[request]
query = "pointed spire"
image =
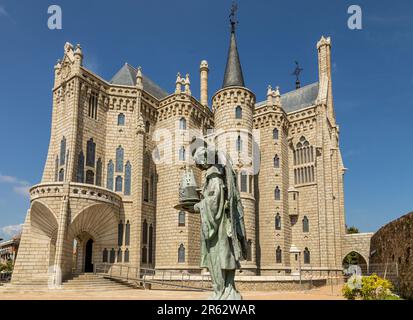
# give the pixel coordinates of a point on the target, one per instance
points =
(178, 83)
(233, 71)
(139, 78)
(276, 96)
(187, 85)
(269, 96)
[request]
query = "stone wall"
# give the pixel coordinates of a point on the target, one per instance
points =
(357, 242)
(393, 244)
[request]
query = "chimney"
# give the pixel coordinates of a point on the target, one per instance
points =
(203, 69)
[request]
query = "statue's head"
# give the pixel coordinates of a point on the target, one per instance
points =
(204, 157)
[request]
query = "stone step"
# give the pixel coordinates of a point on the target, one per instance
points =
(79, 283)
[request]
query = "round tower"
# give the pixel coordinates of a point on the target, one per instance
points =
(233, 107)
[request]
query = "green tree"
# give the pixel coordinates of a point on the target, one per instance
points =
(351, 230)
(8, 266)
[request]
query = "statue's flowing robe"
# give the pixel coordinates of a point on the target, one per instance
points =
(215, 241)
(217, 250)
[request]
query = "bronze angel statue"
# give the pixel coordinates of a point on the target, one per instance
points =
(223, 236)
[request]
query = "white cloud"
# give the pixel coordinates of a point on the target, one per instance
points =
(22, 190)
(20, 187)
(3, 12)
(12, 230)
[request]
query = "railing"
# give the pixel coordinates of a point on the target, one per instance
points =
(144, 277)
(92, 192)
(5, 276)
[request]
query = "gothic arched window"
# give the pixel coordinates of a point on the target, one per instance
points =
(147, 126)
(150, 253)
(181, 219)
(120, 233)
(80, 176)
(238, 112)
(119, 258)
(181, 254)
(244, 181)
(119, 183)
(238, 144)
(105, 255)
(90, 177)
(62, 151)
(121, 119)
(182, 154)
(93, 105)
(112, 256)
(90, 153)
(277, 193)
(276, 161)
(119, 159)
(109, 178)
(128, 177)
(306, 225)
(146, 190)
(56, 169)
(144, 254)
(306, 256)
(127, 234)
(278, 255)
(126, 259)
(278, 222)
(152, 188)
(182, 124)
(145, 232)
(61, 175)
(99, 172)
(275, 134)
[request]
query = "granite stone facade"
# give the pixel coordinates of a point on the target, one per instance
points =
(117, 151)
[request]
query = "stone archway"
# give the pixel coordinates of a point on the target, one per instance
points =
(38, 245)
(355, 258)
(98, 224)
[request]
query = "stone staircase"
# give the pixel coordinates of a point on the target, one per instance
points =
(85, 282)
(94, 282)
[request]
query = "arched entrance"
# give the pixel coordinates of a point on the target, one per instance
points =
(89, 256)
(354, 258)
(92, 230)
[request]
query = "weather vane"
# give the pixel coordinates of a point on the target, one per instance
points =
(296, 73)
(234, 8)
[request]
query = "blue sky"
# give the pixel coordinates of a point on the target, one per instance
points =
(372, 78)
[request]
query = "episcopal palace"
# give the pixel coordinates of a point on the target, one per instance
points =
(105, 198)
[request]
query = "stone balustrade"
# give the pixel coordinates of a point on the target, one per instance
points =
(75, 191)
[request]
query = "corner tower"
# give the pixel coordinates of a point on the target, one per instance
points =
(233, 107)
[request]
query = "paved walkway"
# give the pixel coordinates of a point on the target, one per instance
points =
(325, 293)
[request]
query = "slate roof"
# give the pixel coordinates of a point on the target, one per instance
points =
(126, 76)
(233, 71)
(298, 99)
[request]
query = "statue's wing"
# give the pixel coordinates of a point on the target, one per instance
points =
(236, 212)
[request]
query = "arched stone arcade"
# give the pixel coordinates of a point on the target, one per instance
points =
(38, 245)
(62, 214)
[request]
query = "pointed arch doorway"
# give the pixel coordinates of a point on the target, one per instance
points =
(88, 256)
